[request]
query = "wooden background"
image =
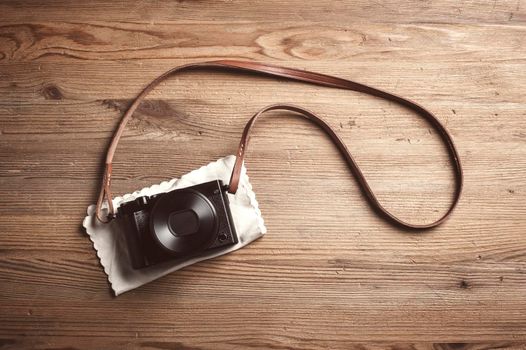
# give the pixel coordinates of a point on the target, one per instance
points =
(329, 273)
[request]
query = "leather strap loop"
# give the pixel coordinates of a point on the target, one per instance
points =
(105, 193)
(366, 189)
(306, 77)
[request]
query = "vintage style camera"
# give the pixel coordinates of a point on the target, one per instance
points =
(178, 223)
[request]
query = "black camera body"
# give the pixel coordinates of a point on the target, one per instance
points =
(176, 224)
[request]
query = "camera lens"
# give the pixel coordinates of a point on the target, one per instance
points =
(183, 221)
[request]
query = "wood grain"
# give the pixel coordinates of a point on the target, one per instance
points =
(329, 273)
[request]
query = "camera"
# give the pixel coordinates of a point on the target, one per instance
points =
(176, 224)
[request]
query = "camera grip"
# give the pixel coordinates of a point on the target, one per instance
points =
(136, 224)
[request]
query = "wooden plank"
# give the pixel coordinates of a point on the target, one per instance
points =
(136, 340)
(340, 11)
(292, 40)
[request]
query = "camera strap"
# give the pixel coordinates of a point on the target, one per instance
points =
(301, 76)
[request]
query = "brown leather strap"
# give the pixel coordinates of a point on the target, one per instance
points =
(307, 77)
(234, 181)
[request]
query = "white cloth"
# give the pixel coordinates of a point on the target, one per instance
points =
(108, 238)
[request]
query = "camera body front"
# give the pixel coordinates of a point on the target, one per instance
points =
(176, 224)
